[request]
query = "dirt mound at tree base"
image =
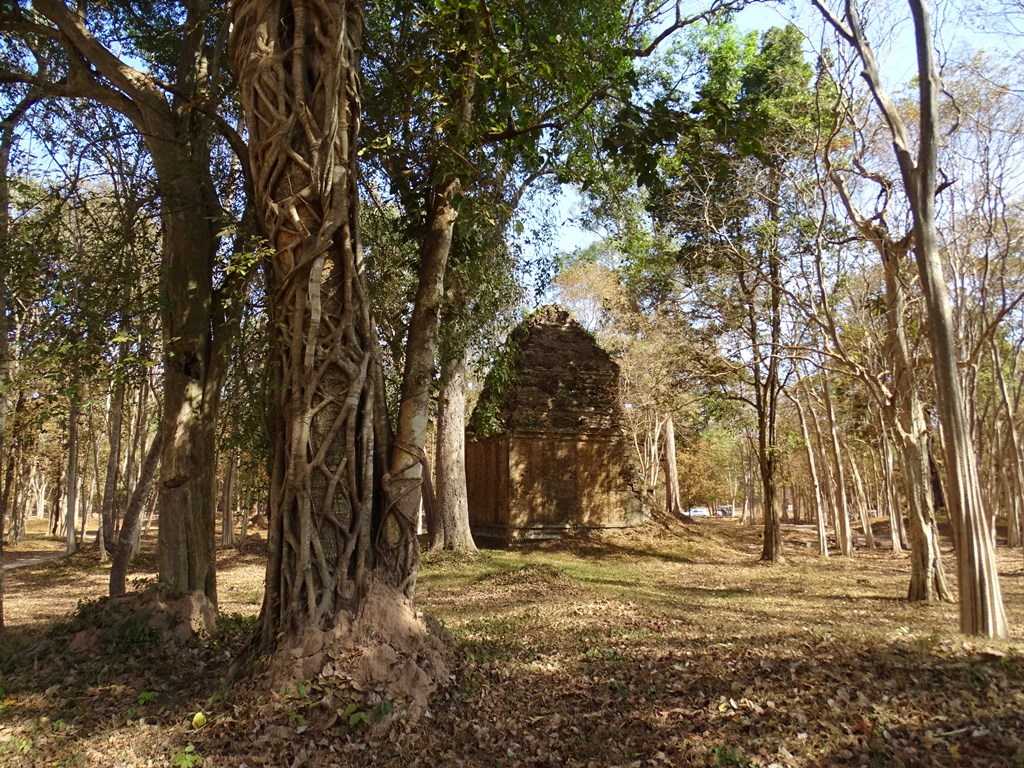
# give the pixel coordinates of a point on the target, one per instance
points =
(137, 622)
(381, 664)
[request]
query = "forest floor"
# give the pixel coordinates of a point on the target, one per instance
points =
(662, 646)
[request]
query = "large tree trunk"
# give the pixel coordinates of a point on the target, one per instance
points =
(300, 90)
(981, 600)
(452, 505)
(196, 325)
(191, 383)
(339, 564)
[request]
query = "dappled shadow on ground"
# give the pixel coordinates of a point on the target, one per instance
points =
(696, 655)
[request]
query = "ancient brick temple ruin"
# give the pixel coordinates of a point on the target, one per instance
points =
(546, 454)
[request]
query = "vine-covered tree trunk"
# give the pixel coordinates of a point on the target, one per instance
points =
(340, 562)
(297, 65)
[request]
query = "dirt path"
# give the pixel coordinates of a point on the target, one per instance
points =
(23, 560)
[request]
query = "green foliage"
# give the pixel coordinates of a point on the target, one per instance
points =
(729, 757)
(487, 418)
(130, 635)
(17, 745)
(235, 626)
(356, 715)
(186, 757)
(145, 697)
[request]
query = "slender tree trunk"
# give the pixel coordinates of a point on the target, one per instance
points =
(3, 433)
(70, 504)
(825, 467)
(227, 520)
(246, 512)
(891, 494)
(819, 512)
(130, 525)
(93, 488)
(406, 467)
(862, 501)
(114, 456)
(7, 137)
(452, 501)
(981, 601)
(673, 503)
(843, 534)
(1013, 453)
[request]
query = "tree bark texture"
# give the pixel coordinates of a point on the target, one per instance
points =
(192, 375)
(404, 478)
(902, 411)
(227, 511)
(297, 64)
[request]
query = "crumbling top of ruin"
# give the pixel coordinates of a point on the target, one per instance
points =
(551, 376)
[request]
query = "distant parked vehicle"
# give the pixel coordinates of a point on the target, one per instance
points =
(724, 511)
(698, 512)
